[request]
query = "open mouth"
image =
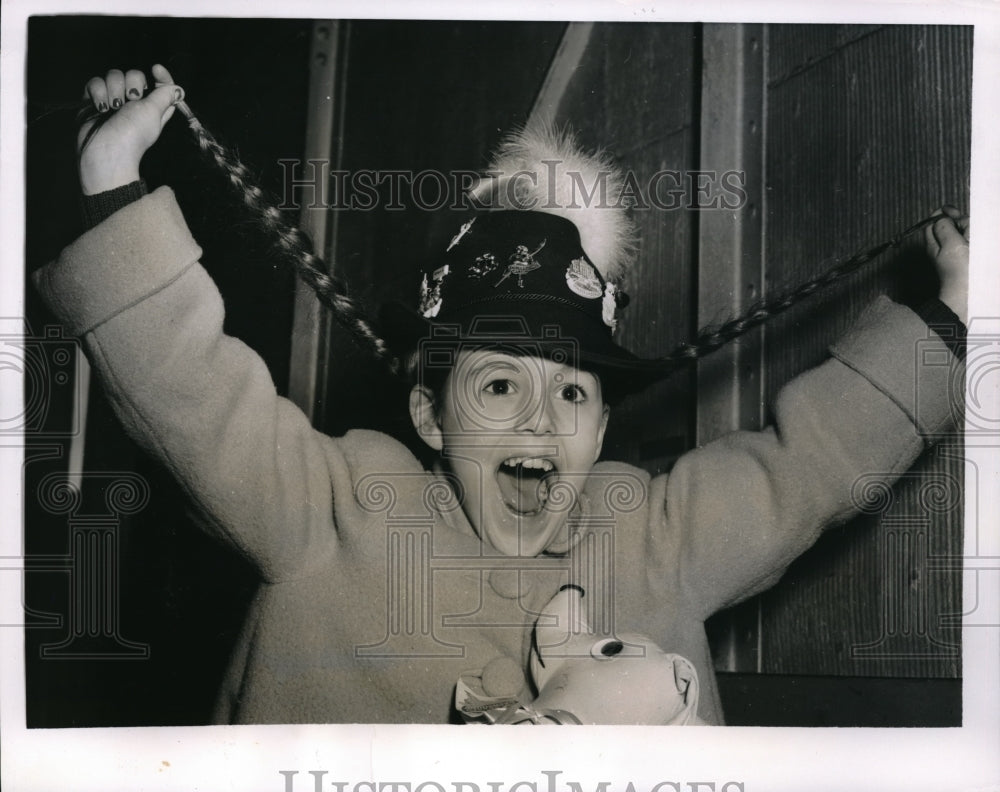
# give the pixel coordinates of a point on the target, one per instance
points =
(524, 483)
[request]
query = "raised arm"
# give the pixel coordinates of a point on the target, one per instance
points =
(740, 509)
(151, 320)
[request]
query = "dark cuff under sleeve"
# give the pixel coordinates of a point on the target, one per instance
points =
(102, 205)
(943, 321)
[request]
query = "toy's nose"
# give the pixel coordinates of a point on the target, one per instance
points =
(559, 621)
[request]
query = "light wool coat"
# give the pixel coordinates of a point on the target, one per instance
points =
(375, 593)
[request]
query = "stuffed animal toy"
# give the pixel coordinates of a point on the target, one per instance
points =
(582, 678)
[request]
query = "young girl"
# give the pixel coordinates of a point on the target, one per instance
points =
(383, 583)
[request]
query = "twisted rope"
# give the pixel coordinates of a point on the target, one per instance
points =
(292, 243)
(710, 339)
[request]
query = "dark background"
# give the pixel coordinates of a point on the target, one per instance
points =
(181, 597)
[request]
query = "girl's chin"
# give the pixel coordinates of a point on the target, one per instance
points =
(514, 534)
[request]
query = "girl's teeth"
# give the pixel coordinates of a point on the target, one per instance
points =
(530, 462)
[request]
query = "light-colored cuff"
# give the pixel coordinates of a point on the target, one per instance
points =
(134, 253)
(899, 354)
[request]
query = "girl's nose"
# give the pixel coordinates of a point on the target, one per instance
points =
(541, 420)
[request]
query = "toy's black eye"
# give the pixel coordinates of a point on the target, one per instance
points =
(606, 649)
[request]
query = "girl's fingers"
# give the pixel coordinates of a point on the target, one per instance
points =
(163, 80)
(962, 224)
(952, 228)
(97, 92)
(163, 98)
(142, 116)
(960, 219)
(946, 233)
(930, 240)
(161, 75)
(115, 81)
(117, 87)
(135, 85)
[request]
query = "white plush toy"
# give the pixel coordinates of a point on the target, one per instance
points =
(584, 678)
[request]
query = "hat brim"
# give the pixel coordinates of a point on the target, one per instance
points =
(524, 326)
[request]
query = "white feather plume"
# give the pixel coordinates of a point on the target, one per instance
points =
(564, 180)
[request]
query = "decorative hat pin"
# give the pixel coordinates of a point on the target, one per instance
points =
(536, 261)
(556, 168)
(521, 263)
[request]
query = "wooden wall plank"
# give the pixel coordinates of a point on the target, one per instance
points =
(634, 94)
(868, 131)
(795, 48)
(309, 353)
(730, 270)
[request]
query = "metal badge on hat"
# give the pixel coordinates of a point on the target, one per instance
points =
(430, 294)
(461, 233)
(482, 266)
(609, 306)
(581, 277)
(521, 263)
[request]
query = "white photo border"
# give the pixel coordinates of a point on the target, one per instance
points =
(253, 757)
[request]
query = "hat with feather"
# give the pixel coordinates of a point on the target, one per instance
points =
(538, 268)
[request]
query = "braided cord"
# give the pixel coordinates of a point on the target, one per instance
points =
(290, 242)
(294, 244)
(711, 338)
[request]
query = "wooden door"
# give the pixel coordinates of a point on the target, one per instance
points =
(835, 138)
(844, 136)
(867, 131)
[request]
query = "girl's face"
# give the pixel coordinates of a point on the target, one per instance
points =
(520, 435)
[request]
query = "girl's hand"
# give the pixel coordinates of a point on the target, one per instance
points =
(947, 241)
(129, 125)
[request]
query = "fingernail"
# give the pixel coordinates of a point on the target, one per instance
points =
(178, 94)
(116, 103)
(102, 107)
(133, 92)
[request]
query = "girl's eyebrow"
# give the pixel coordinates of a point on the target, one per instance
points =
(497, 360)
(498, 365)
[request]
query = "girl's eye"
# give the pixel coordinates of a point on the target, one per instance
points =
(572, 393)
(499, 387)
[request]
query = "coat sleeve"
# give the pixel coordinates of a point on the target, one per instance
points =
(737, 511)
(199, 401)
